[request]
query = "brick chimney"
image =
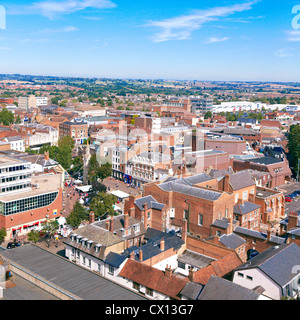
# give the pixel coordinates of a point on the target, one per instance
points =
(145, 206)
(132, 212)
(168, 271)
(107, 224)
(132, 255)
(126, 220)
(92, 217)
(227, 183)
(293, 220)
(241, 201)
(230, 226)
(141, 255)
(162, 244)
(112, 224)
(191, 274)
(184, 230)
(46, 155)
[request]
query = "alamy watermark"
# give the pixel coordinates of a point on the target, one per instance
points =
(2, 18)
(296, 19)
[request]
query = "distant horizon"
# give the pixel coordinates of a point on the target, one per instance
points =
(141, 78)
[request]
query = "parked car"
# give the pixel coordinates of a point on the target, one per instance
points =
(297, 191)
(12, 245)
(293, 195)
(288, 199)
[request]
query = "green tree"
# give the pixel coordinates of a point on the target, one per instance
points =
(18, 120)
(102, 205)
(2, 234)
(207, 115)
(294, 147)
(6, 117)
(77, 215)
(33, 236)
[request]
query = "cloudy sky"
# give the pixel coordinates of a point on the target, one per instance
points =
(152, 39)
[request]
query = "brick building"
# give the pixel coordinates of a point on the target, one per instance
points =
(76, 130)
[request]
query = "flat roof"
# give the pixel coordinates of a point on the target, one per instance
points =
(46, 183)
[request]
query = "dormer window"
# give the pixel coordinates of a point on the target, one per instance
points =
(89, 244)
(97, 248)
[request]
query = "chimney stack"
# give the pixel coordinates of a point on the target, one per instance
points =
(46, 155)
(132, 212)
(132, 256)
(92, 217)
(168, 271)
(293, 220)
(126, 221)
(141, 255)
(111, 229)
(162, 245)
(226, 183)
(230, 226)
(191, 274)
(107, 224)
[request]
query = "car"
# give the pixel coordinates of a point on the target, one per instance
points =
(297, 191)
(10, 245)
(293, 195)
(288, 199)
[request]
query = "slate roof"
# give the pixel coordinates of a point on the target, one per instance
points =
(241, 179)
(152, 247)
(276, 262)
(222, 289)
(266, 160)
(245, 208)
(151, 203)
(192, 290)
(191, 191)
(258, 235)
(115, 259)
(222, 223)
(232, 240)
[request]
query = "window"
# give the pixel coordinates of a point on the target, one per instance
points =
(149, 292)
(245, 195)
(200, 219)
(218, 233)
(240, 275)
(83, 260)
(111, 270)
(136, 286)
(249, 278)
(181, 265)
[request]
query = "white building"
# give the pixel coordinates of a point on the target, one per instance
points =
(236, 106)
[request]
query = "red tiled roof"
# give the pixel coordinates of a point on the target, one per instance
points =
(219, 268)
(153, 278)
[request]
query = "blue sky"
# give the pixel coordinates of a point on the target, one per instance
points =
(152, 39)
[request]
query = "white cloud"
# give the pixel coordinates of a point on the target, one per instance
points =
(284, 53)
(51, 9)
(216, 39)
(181, 28)
(64, 29)
(293, 36)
